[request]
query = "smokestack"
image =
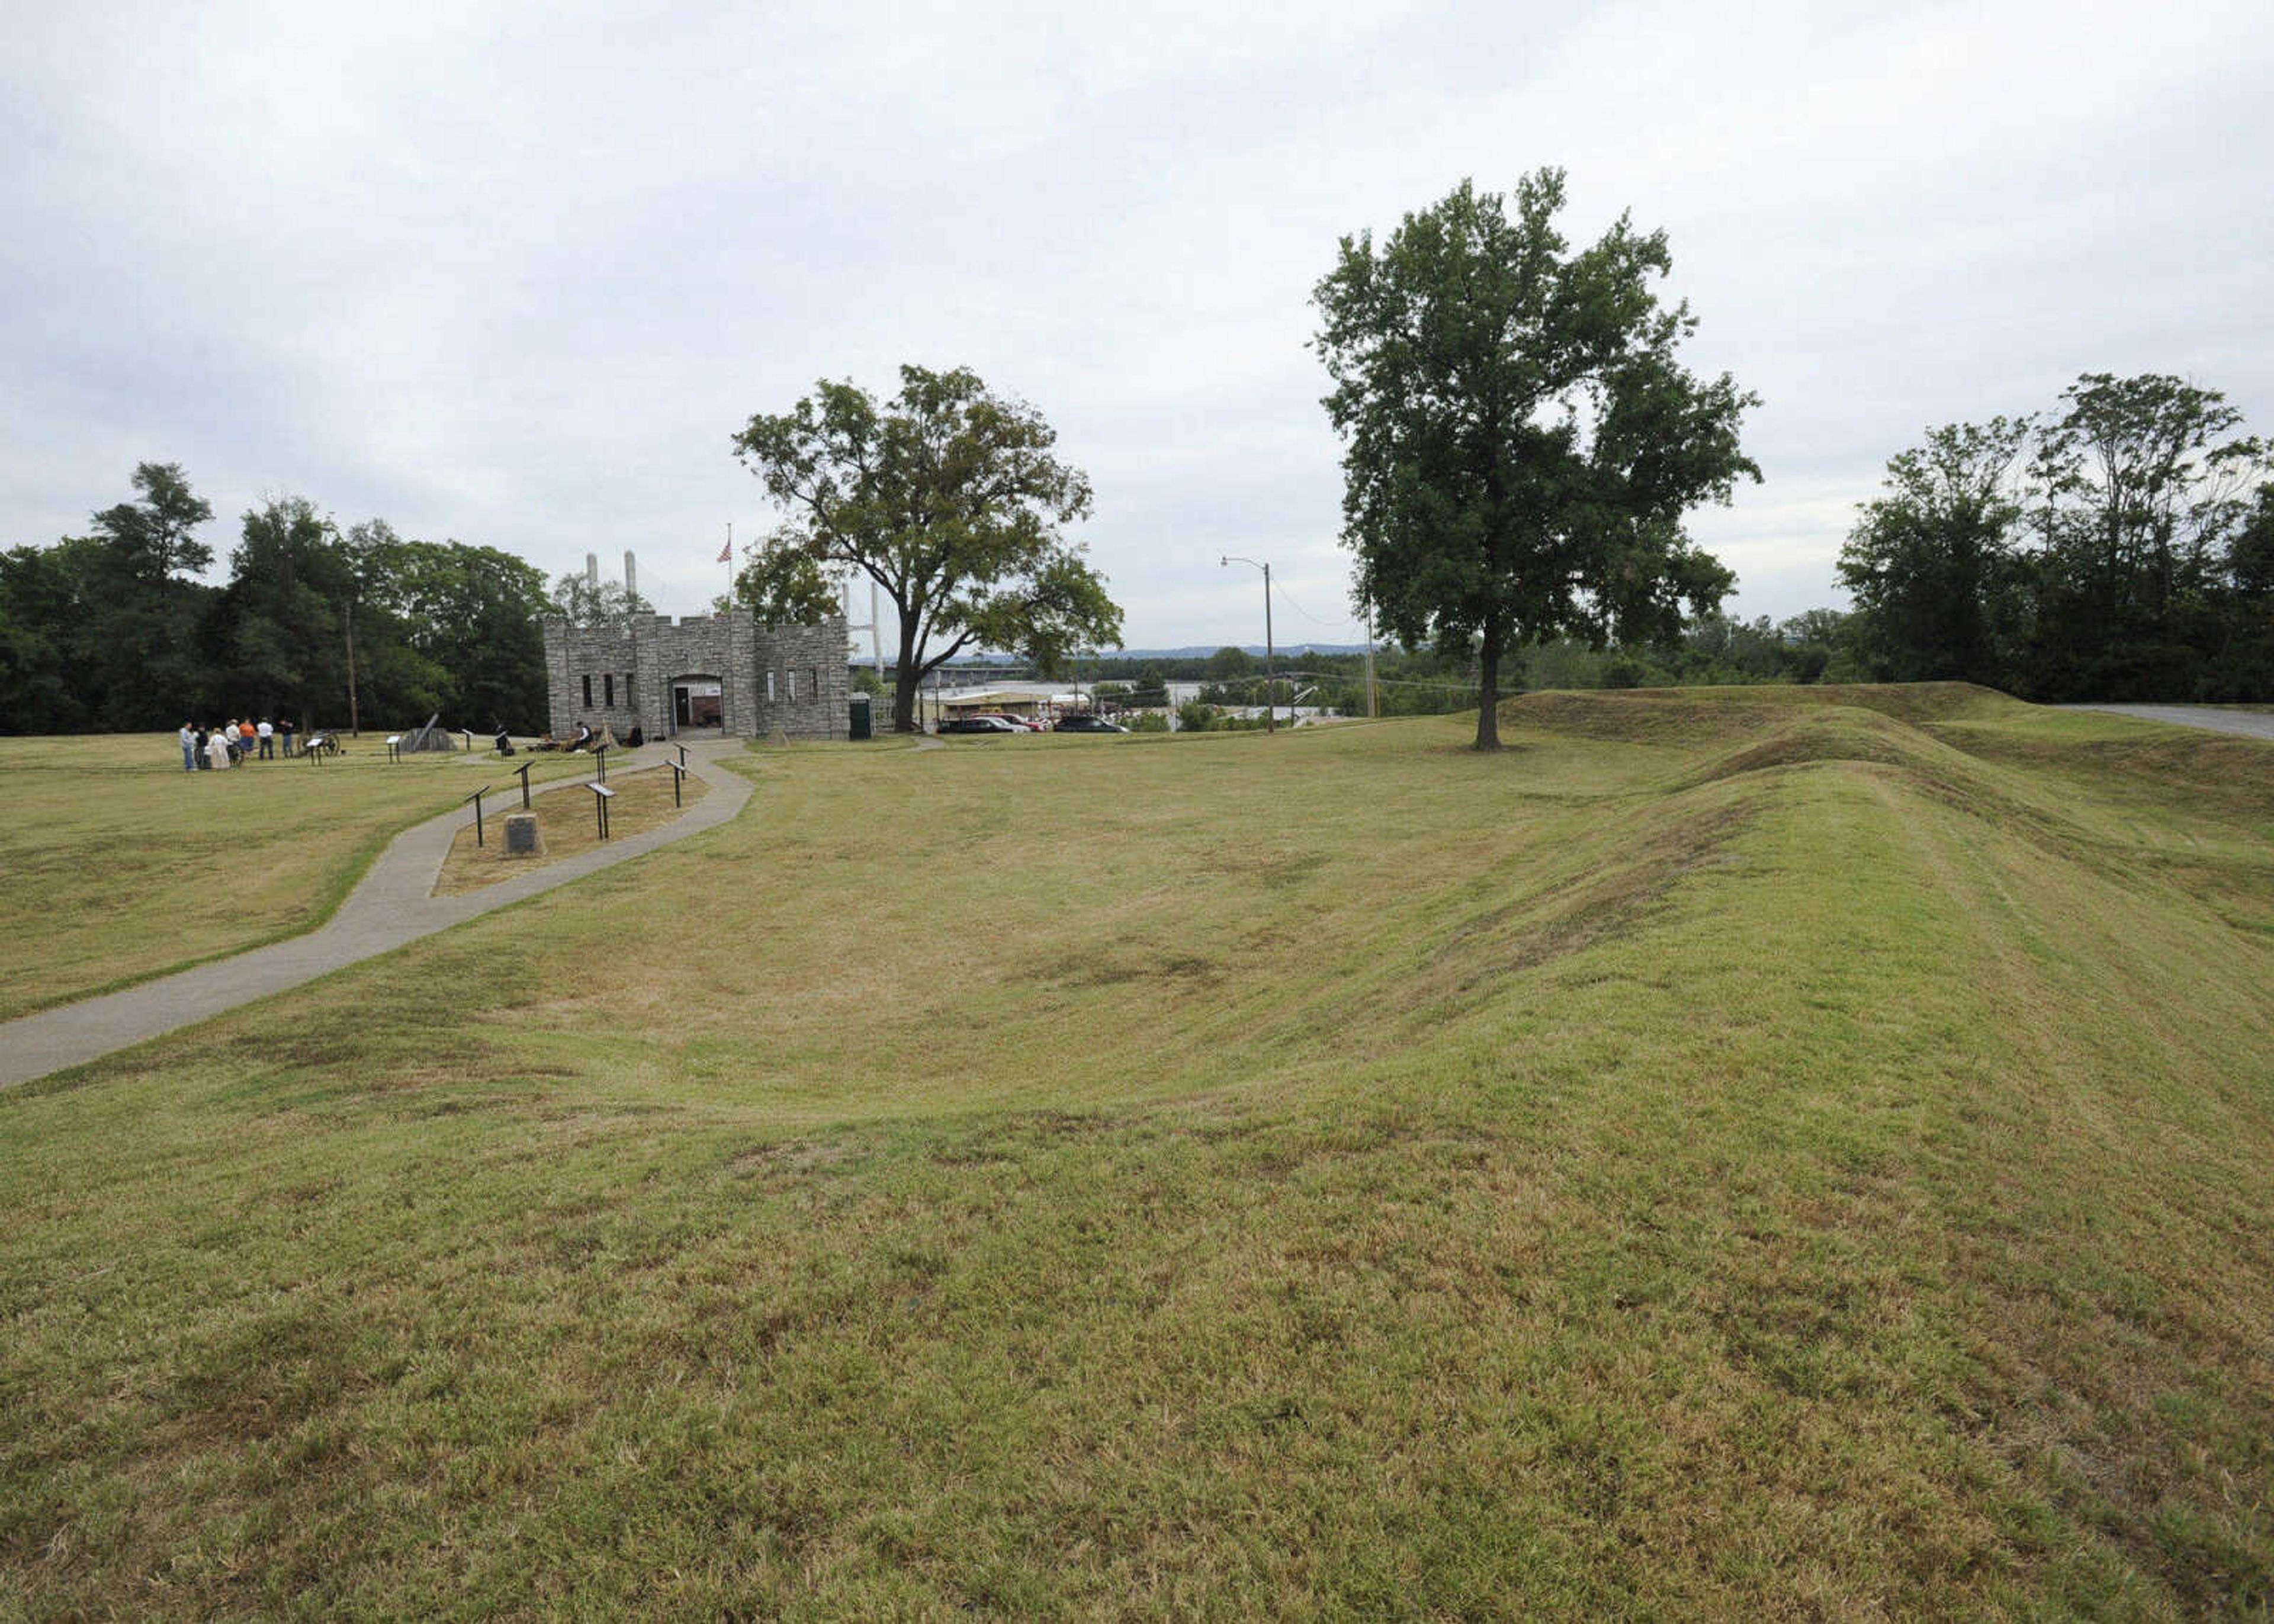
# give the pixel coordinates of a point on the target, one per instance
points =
(592, 570)
(631, 577)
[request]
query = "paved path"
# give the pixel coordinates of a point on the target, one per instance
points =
(391, 906)
(2249, 724)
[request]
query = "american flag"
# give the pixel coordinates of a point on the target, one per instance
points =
(727, 552)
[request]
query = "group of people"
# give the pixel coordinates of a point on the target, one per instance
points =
(204, 748)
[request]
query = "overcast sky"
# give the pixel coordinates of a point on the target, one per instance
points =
(513, 275)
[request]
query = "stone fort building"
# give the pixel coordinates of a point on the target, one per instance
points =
(708, 673)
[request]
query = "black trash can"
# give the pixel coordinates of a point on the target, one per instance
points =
(859, 725)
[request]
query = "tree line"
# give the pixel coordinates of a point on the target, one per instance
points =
(112, 631)
(2121, 547)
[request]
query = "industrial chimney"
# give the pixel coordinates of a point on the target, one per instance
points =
(631, 577)
(592, 570)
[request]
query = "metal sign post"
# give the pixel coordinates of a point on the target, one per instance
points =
(682, 756)
(600, 760)
(395, 747)
(678, 777)
(601, 795)
(477, 799)
(523, 770)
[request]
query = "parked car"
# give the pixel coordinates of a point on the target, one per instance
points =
(1024, 724)
(977, 724)
(1086, 723)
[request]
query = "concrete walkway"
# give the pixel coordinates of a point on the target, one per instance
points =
(392, 906)
(2211, 718)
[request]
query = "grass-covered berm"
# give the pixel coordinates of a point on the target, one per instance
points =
(1765, 1155)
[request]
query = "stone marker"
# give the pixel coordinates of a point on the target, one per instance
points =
(521, 835)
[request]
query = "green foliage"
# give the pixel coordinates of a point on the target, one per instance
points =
(2143, 484)
(100, 631)
(476, 616)
(1523, 442)
(786, 586)
(151, 539)
(1932, 564)
(949, 498)
(1230, 663)
(575, 599)
(292, 588)
(2107, 553)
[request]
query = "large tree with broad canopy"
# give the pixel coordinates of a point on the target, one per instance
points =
(1521, 441)
(949, 499)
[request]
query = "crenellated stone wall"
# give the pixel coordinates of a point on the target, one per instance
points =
(802, 682)
(623, 674)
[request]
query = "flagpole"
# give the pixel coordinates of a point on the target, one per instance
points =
(727, 677)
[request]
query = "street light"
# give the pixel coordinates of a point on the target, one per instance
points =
(1270, 710)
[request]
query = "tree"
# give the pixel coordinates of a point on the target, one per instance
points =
(576, 600)
(152, 536)
(39, 687)
(1933, 564)
(2144, 481)
(949, 499)
(290, 595)
(1230, 663)
(1522, 442)
(139, 660)
(475, 614)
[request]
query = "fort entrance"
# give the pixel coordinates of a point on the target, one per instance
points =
(695, 702)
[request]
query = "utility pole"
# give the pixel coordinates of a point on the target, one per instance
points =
(1373, 709)
(1270, 681)
(355, 725)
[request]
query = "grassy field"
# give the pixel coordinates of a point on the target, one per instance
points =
(1775, 1154)
(566, 826)
(120, 866)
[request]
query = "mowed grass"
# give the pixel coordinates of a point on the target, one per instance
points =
(119, 865)
(566, 826)
(1722, 1157)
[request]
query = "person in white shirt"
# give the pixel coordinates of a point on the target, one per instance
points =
(268, 740)
(217, 748)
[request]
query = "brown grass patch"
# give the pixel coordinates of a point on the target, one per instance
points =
(565, 827)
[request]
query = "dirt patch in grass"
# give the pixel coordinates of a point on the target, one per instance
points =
(793, 1159)
(565, 826)
(1117, 967)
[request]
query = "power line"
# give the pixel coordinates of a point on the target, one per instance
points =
(1342, 624)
